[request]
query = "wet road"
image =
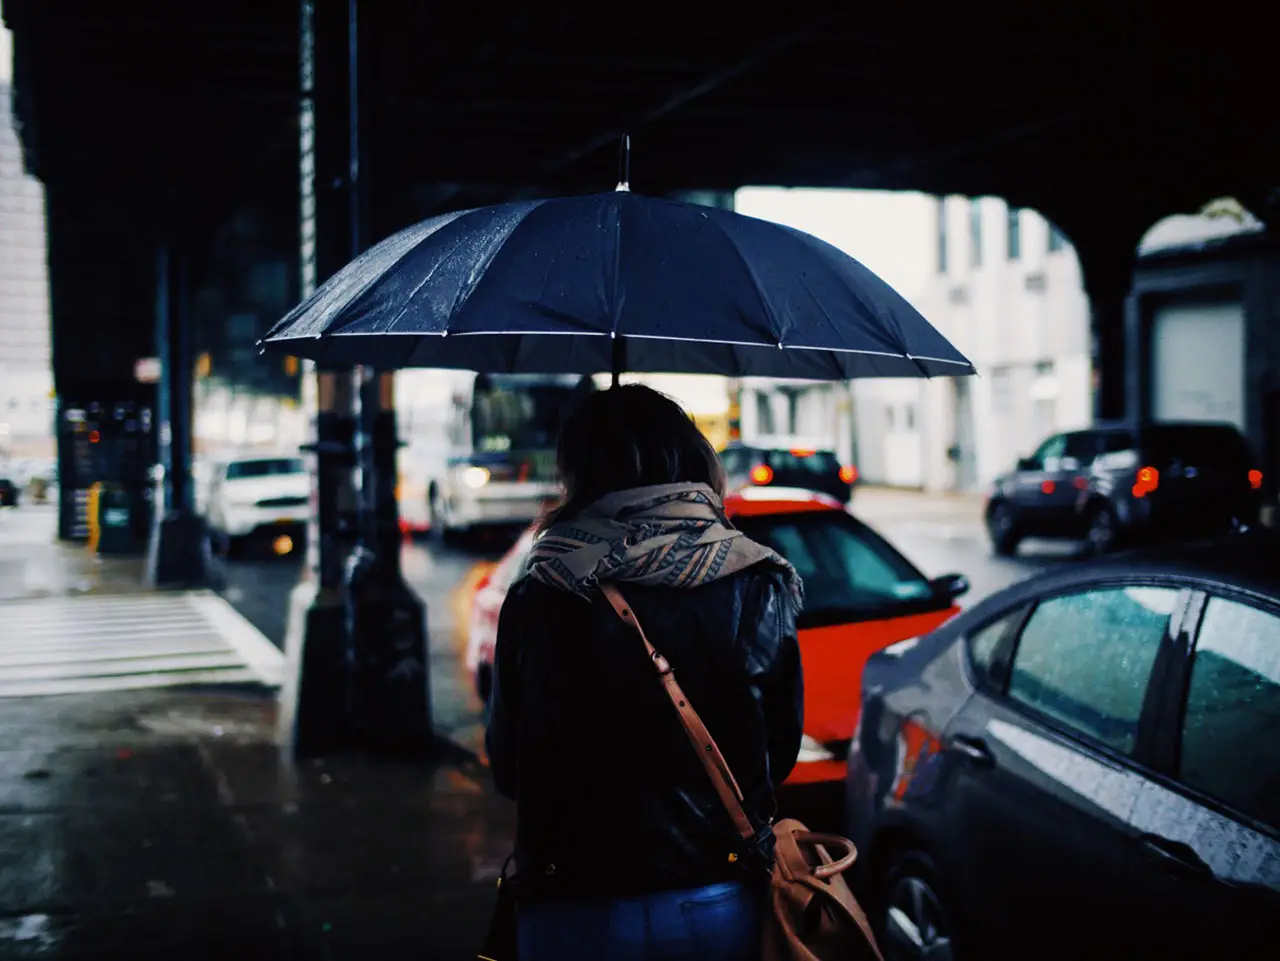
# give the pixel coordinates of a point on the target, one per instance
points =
(938, 536)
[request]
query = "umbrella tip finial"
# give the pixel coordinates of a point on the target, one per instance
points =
(624, 163)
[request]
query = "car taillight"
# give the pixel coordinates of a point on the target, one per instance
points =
(483, 582)
(802, 452)
(761, 474)
(1255, 479)
(848, 473)
(1148, 480)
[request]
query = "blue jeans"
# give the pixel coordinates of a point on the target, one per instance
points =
(720, 922)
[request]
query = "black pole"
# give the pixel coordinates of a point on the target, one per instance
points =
(386, 622)
(316, 715)
(177, 550)
(619, 363)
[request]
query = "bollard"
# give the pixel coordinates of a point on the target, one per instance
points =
(91, 510)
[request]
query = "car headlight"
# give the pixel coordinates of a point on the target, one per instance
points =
(811, 750)
(473, 477)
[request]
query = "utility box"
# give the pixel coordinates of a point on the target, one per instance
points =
(115, 521)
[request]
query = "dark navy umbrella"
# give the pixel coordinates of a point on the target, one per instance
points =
(614, 281)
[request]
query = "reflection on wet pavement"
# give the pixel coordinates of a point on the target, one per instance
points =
(152, 824)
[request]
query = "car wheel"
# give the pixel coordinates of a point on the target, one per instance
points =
(1103, 532)
(1002, 526)
(914, 923)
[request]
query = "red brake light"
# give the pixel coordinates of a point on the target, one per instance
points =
(1255, 479)
(1048, 487)
(761, 474)
(802, 452)
(1148, 480)
(848, 473)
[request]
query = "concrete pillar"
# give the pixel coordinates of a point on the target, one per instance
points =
(178, 542)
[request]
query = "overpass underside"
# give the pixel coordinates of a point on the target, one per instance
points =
(199, 161)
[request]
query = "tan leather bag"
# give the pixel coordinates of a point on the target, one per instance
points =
(811, 915)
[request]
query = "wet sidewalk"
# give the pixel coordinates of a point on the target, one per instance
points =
(34, 564)
(167, 825)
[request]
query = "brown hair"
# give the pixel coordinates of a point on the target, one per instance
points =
(625, 437)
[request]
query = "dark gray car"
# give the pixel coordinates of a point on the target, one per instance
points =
(1115, 483)
(1083, 765)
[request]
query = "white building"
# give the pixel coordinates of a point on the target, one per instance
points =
(26, 381)
(1001, 285)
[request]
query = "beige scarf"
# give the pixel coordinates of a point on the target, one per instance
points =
(669, 535)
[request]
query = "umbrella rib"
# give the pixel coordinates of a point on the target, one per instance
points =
(769, 315)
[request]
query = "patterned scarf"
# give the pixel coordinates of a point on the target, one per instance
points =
(668, 535)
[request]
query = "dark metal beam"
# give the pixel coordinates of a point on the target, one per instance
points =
(712, 82)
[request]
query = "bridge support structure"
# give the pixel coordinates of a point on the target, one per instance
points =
(356, 642)
(179, 542)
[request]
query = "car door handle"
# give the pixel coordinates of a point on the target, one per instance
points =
(975, 749)
(1174, 856)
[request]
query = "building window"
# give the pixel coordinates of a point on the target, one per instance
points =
(1015, 233)
(975, 233)
(909, 413)
(942, 235)
(1057, 239)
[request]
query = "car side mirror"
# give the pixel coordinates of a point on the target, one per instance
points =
(950, 586)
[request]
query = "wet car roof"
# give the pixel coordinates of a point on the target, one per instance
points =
(1248, 561)
(778, 500)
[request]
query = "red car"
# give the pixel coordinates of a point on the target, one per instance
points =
(861, 595)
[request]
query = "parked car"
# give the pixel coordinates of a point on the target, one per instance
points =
(8, 492)
(1117, 483)
(255, 493)
(788, 464)
(1082, 765)
(860, 595)
(486, 605)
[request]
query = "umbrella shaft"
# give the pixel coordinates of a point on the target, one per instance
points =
(619, 357)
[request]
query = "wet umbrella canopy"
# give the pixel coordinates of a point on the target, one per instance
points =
(614, 281)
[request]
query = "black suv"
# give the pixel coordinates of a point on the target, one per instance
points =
(1115, 483)
(808, 469)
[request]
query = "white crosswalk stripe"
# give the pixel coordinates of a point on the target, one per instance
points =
(82, 645)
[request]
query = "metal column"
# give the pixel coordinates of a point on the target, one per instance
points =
(178, 542)
(357, 636)
(316, 711)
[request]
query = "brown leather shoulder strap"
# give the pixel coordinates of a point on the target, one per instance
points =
(708, 753)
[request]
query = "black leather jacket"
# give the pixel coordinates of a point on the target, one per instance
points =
(611, 798)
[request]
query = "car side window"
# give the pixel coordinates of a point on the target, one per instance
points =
(1080, 449)
(1084, 659)
(1232, 719)
(984, 646)
(1051, 449)
(1116, 442)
